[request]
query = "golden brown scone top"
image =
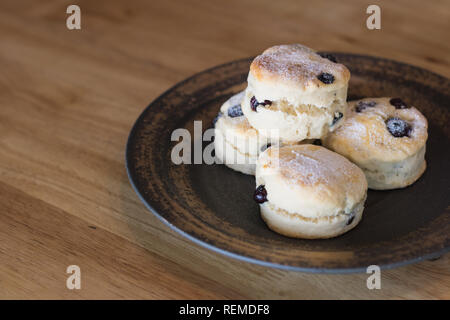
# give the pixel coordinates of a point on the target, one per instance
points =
(364, 134)
(297, 65)
(325, 173)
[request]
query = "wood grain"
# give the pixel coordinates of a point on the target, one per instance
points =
(69, 98)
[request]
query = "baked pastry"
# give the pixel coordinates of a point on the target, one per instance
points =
(307, 191)
(293, 89)
(236, 143)
(386, 138)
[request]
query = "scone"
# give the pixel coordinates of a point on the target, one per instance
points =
(307, 191)
(293, 89)
(386, 138)
(236, 143)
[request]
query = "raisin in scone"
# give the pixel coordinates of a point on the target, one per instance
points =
(293, 89)
(386, 138)
(307, 191)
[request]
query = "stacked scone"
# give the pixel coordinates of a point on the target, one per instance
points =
(295, 91)
(294, 97)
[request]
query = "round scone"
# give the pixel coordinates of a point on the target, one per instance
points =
(386, 138)
(307, 191)
(236, 143)
(293, 89)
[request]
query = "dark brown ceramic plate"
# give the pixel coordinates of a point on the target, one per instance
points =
(212, 205)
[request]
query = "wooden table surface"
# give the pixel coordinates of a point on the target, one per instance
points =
(68, 99)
